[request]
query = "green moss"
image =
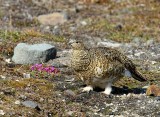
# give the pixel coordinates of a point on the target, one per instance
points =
(54, 38)
(24, 35)
(1, 13)
(42, 84)
(26, 23)
(13, 35)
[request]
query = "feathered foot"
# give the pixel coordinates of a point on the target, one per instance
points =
(108, 89)
(87, 89)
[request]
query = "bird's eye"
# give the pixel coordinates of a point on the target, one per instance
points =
(76, 41)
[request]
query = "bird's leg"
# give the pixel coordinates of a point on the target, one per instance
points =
(108, 89)
(87, 88)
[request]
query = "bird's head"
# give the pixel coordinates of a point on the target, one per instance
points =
(77, 45)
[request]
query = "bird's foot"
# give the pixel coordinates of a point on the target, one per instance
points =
(87, 89)
(107, 90)
(106, 93)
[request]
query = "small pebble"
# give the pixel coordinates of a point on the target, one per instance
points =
(17, 102)
(2, 112)
(31, 104)
(23, 97)
(41, 99)
(129, 95)
(84, 23)
(3, 77)
(70, 113)
(26, 75)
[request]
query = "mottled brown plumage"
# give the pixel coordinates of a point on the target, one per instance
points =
(100, 67)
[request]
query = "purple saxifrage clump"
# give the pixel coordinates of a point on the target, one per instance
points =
(41, 68)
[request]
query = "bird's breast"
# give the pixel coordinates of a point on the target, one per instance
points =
(80, 60)
(98, 71)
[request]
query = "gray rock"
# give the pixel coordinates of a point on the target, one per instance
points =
(109, 44)
(156, 57)
(157, 98)
(64, 53)
(70, 93)
(56, 30)
(144, 56)
(30, 104)
(61, 62)
(149, 42)
(137, 41)
(31, 54)
(79, 7)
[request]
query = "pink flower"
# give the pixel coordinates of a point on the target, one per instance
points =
(38, 65)
(46, 69)
(32, 67)
(41, 68)
(52, 68)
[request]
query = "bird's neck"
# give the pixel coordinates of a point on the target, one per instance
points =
(80, 54)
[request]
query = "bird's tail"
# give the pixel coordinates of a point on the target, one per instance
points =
(130, 66)
(137, 75)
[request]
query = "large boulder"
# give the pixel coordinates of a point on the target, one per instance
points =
(31, 54)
